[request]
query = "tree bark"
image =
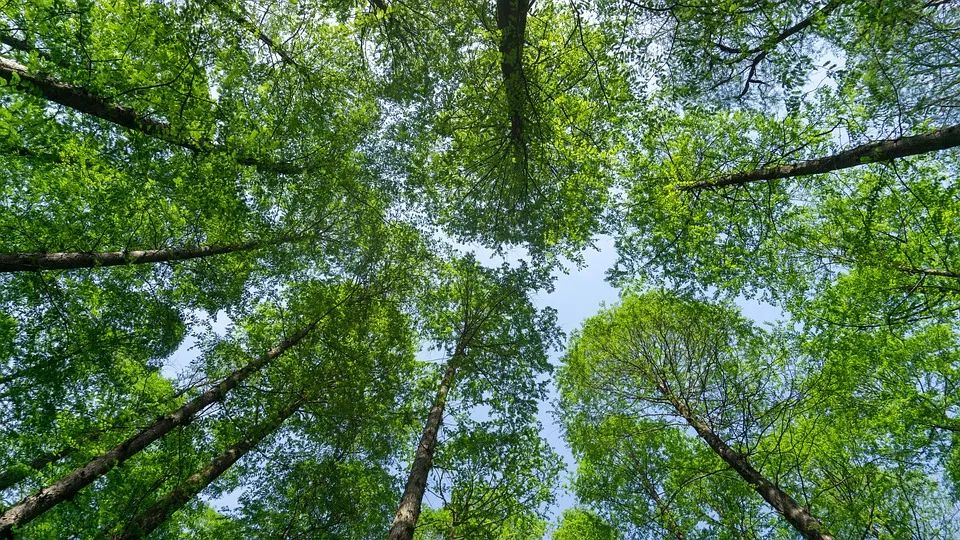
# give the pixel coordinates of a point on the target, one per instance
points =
(25, 262)
(34, 505)
(512, 23)
(147, 521)
(937, 272)
(82, 100)
(798, 516)
(408, 512)
(879, 151)
(12, 476)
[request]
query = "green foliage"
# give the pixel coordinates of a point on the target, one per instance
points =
(576, 523)
(345, 144)
(639, 371)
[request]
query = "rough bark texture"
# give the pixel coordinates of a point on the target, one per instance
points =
(512, 23)
(878, 151)
(20, 262)
(34, 505)
(82, 100)
(12, 476)
(795, 514)
(147, 521)
(408, 512)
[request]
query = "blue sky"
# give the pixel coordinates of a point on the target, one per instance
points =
(577, 295)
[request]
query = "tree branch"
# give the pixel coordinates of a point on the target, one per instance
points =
(874, 152)
(82, 100)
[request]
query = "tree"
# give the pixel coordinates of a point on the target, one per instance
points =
(679, 409)
(495, 481)
(749, 186)
(495, 338)
(31, 507)
(521, 150)
(231, 232)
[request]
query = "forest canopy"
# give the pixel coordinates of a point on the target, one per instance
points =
(279, 269)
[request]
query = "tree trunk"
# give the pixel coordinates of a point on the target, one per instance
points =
(147, 521)
(928, 272)
(801, 519)
(82, 100)
(24, 262)
(512, 23)
(65, 488)
(878, 151)
(409, 511)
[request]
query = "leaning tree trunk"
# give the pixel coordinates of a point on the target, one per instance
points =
(68, 486)
(83, 100)
(147, 521)
(22, 262)
(878, 151)
(795, 514)
(409, 511)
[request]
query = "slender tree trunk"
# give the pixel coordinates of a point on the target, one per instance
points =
(147, 521)
(82, 100)
(23, 262)
(34, 505)
(878, 151)
(409, 511)
(795, 514)
(512, 23)
(928, 272)
(13, 476)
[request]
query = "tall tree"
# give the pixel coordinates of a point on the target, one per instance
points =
(64, 261)
(756, 416)
(674, 353)
(485, 320)
(496, 480)
(144, 523)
